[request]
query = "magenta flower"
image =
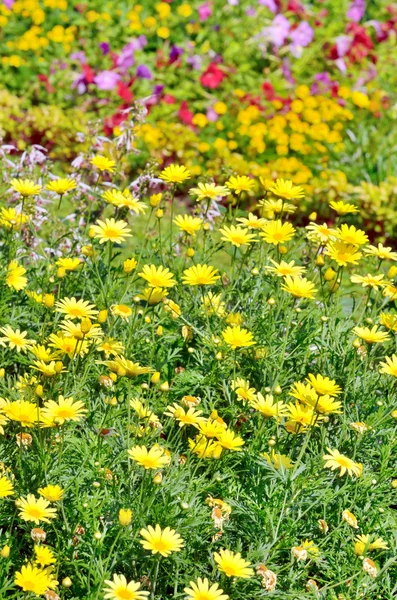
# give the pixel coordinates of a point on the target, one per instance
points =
(204, 11)
(356, 10)
(270, 4)
(107, 80)
(278, 31)
(300, 38)
(143, 72)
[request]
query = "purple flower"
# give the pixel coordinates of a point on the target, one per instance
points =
(204, 11)
(233, 2)
(8, 3)
(175, 52)
(356, 10)
(105, 47)
(80, 84)
(287, 71)
(195, 62)
(144, 72)
(270, 4)
(212, 116)
(107, 80)
(340, 63)
(278, 31)
(300, 38)
(322, 83)
(342, 43)
(79, 56)
(250, 12)
(157, 90)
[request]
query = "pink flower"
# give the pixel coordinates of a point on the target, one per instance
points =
(278, 31)
(204, 11)
(356, 10)
(107, 80)
(300, 38)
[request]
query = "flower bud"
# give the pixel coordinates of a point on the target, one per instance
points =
(61, 272)
(155, 378)
(283, 249)
(160, 330)
(129, 265)
(87, 250)
(392, 272)
(39, 391)
(164, 387)
(277, 390)
(86, 325)
(155, 200)
(49, 300)
(271, 302)
(159, 213)
(102, 316)
(158, 478)
(125, 516)
(190, 252)
(329, 274)
(313, 216)
(67, 582)
(320, 260)
(58, 366)
(5, 551)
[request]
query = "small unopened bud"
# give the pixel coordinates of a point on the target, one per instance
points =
(271, 302)
(164, 387)
(125, 516)
(86, 325)
(58, 366)
(102, 316)
(159, 213)
(190, 252)
(67, 582)
(320, 262)
(158, 478)
(278, 390)
(61, 272)
(155, 378)
(5, 551)
(283, 249)
(97, 535)
(49, 300)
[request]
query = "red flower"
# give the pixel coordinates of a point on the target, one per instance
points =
(124, 92)
(212, 77)
(185, 115)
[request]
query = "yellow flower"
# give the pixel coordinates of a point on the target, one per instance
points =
(240, 183)
(120, 589)
(212, 304)
(129, 265)
(382, 252)
(26, 413)
(35, 509)
(75, 309)
(33, 579)
(103, 164)
(48, 370)
(278, 460)
(211, 427)
(276, 232)
(335, 460)
(300, 287)
(229, 440)
(343, 254)
(200, 275)
(44, 556)
(390, 366)
(121, 310)
(153, 295)
(69, 264)
(371, 336)
(15, 276)
(271, 208)
(286, 190)
(203, 590)
(209, 191)
(161, 541)
(300, 418)
(155, 458)
(343, 208)
(124, 200)
(237, 337)
(283, 268)
(372, 281)
(184, 417)
(157, 277)
(252, 221)
(363, 544)
(25, 187)
(232, 564)
(320, 233)
(238, 236)
(243, 390)
(10, 219)
(66, 409)
(351, 235)
(324, 385)
(350, 519)
(6, 487)
(52, 493)
(15, 339)
(111, 231)
(188, 224)
(205, 448)
(268, 407)
(389, 321)
(175, 174)
(126, 368)
(62, 186)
